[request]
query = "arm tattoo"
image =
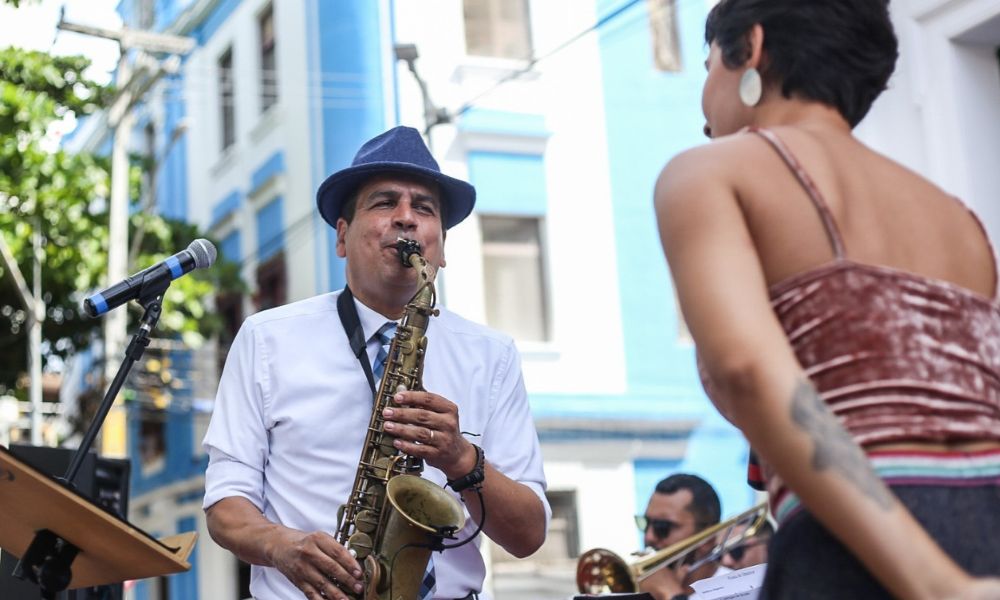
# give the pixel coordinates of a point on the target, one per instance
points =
(833, 446)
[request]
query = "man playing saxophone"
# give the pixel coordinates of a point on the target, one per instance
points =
(294, 400)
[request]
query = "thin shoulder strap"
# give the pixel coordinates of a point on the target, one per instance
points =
(832, 231)
(989, 244)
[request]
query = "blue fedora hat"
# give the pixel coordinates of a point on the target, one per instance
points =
(399, 150)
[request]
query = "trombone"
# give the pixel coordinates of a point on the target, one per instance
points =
(601, 571)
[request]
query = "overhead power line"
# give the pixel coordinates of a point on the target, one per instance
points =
(468, 105)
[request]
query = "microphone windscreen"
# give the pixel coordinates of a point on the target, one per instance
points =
(204, 253)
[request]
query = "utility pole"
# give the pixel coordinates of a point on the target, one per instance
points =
(116, 321)
(132, 86)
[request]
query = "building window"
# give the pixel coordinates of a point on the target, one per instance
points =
(268, 72)
(514, 276)
(272, 283)
(229, 307)
(666, 36)
(227, 99)
(563, 540)
(498, 28)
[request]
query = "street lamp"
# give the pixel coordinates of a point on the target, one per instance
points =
(433, 115)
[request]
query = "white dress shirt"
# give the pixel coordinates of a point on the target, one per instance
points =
(292, 409)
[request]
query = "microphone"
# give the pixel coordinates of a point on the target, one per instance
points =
(199, 254)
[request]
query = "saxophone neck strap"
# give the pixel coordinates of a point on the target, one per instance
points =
(349, 318)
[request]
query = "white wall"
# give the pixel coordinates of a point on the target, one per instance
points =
(214, 173)
(566, 90)
(941, 115)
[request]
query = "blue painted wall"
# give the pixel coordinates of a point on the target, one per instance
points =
(172, 196)
(507, 183)
(270, 229)
(349, 87)
(230, 248)
(270, 168)
(211, 24)
(226, 206)
(651, 116)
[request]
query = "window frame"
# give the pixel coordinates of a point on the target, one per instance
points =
(227, 99)
(545, 312)
(267, 52)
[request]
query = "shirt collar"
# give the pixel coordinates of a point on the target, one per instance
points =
(371, 320)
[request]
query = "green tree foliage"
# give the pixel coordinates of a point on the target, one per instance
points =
(65, 197)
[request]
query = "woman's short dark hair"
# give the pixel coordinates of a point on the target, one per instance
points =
(838, 52)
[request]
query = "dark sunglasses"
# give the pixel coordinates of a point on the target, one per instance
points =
(661, 527)
(737, 552)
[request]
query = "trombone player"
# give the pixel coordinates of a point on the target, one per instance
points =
(680, 506)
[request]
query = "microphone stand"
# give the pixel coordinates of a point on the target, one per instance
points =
(49, 557)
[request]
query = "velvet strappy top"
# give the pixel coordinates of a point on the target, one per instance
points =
(897, 356)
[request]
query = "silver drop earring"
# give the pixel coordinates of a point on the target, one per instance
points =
(751, 87)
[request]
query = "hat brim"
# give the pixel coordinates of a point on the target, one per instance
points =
(459, 195)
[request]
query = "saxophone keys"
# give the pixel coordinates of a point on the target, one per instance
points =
(361, 544)
(366, 521)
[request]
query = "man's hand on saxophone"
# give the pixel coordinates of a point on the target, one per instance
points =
(315, 562)
(427, 426)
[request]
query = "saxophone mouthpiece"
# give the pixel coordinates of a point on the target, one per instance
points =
(407, 248)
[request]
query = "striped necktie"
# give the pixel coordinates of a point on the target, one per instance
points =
(385, 335)
(428, 585)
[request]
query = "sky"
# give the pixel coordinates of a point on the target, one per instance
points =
(33, 27)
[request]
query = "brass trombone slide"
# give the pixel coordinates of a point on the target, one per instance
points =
(601, 571)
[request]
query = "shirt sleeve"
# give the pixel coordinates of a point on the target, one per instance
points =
(237, 439)
(510, 440)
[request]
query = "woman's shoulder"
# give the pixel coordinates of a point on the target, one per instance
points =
(716, 164)
(716, 155)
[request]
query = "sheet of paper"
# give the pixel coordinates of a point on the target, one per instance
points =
(735, 585)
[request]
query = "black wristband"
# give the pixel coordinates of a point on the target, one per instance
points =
(473, 478)
(679, 597)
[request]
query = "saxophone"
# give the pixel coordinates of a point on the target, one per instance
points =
(394, 518)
